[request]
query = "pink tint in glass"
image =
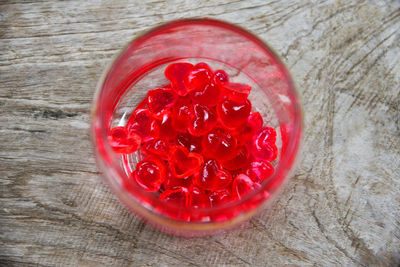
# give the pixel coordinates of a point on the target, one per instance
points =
(140, 67)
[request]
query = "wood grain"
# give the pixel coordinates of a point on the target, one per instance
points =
(341, 207)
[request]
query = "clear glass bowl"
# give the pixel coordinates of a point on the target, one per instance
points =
(140, 67)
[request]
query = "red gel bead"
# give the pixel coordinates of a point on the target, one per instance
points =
(259, 170)
(164, 127)
(159, 100)
(233, 114)
(192, 143)
(181, 115)
(150, 173)
(220, 76)
(117, 137)
(198, 198)
(212, 176)
(236, 91)
(140, 123)
(175, 73)
(220, 197)
(266, 135)
(171, 181)
(263, 144)
(122, 142)
(242, 185)
(198, 77)
(255, 121)
(158, 147)
(240, 159)
(178, 196)
(203, 120)
(267, 152)
(184, 163)
(219, 144)
(209, 95)
(253, 124)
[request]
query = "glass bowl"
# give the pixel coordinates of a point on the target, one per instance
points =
(140, 67)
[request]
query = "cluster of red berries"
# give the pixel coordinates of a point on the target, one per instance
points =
(202, 143)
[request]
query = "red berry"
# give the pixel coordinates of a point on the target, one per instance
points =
(233, 114)
(198, 197)
(175, 73)
(212, 176)
(263, 144)
(239, 160)
(203, 120)
(221, 76)
(123, 142)
(220, 197)
(150, 173)
(158, 147)
(178, 196)
(184, 163)
(181, 114)
(159, 100)
(171, 181)
(219, 144)
(198, 77)
(192, 143)
(209, 95)
(259, 170)
(242, 185)
(140, 123)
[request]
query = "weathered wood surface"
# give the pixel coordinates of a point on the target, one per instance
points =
(341, 207)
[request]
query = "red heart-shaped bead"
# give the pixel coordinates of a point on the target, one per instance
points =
(150, 173)
(220, 197)
(198, 197)
(209, 95)
(123, 142)
(203, 120)
(259, 170)
(163, 127)
(160, 100)
(219, 144)
(192, 143)
(263, 144)
(253, 124)
(198, 77)
(140, 123)
(242, 185)
(158, 147)
(171, 181)
(212, 176)
(184, 163)
(175, 73)
(236, 91)
(182, 114)
(178, 196)
(233, 114)
(239, 160)
(220, 76)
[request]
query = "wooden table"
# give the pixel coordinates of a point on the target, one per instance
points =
(341, 207)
